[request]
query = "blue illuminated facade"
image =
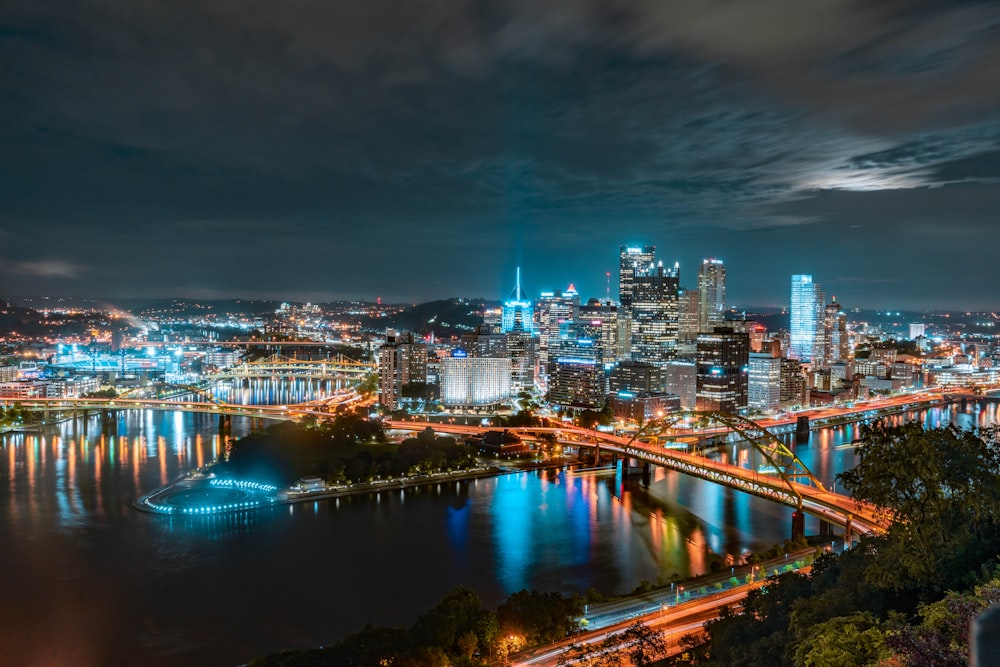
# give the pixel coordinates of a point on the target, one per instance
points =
(518, 312)
(805, 339)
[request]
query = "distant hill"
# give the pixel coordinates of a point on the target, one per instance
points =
(447, 317)
(33, 323)
(198, 308)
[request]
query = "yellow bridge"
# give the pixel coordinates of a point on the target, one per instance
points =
(344, 372)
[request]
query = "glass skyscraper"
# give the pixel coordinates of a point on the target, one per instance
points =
(805, 340)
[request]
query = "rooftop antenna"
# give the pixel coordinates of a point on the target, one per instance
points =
(519, 283)
(607, 289)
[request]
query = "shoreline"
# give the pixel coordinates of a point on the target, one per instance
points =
(147, 502)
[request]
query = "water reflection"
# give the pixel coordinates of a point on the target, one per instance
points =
(69, 534)
(268, 391)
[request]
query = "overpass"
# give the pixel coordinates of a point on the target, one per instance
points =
(787, 480)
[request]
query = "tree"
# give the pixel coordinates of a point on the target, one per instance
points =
(638, 645)
(643, 645)
(540, 617)
(368, 386)
(845, 641)
(449, 624)
(942, 637)
(941, 489)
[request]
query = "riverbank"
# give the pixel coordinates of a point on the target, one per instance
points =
(199, 494)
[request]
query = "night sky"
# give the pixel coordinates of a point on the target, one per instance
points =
(315, 150)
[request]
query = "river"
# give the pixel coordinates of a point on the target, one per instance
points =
(85, 579)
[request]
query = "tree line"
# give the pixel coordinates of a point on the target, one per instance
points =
(457, 632)
(346, 449)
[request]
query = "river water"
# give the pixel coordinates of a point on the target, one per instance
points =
(85, 579)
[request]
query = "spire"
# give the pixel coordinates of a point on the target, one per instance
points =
(519, 283)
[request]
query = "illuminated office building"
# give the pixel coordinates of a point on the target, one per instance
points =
(401, 361)
(631, 260)
(764, 380)
(474, 381)
(554, 310)
(806, 330)
(518, 312)
(654, 314)
(723, 358)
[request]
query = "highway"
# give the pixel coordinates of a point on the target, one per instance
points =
(674, 622)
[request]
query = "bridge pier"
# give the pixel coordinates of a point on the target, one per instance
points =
(225, 424)
(798, 524)
(109, 419)
(825, 529)
(802, 430)
(646, 474)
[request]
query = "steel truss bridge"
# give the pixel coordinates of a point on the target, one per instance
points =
(341, 370)
(185, 398)
(787, 480)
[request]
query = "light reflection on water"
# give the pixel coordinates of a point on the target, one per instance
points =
(175, 590)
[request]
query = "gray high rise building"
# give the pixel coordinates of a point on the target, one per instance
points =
(402, 360)
(835, 340)
(711, 294)
(688, 315)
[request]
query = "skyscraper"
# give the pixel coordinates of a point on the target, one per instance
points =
(632, 259)
(554, 308)
(654, 314)
(576, 369)
(600, 322)
(764, 380)
(688, 315)
(723, 357)
(805, 331)
(518, 313)
(711, 294)
(835, 344)
(401, 360)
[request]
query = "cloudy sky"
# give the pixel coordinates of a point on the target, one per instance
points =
(308, 149)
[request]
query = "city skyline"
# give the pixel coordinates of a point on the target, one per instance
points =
(284, 152)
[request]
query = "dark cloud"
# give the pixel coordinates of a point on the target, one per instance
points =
(252, 147)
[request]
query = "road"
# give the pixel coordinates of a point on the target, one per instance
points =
(675, 622)
(659, 610)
